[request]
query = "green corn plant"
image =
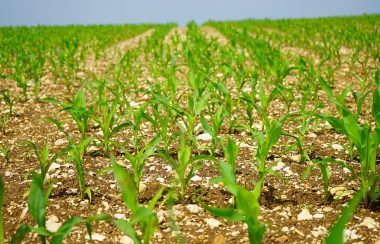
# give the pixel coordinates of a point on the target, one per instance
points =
(138, 117)
(229, 104)
(264, 99)
(37, 64)
(139, 159)
(20, 76)
(186, 165)
(216, 123)
(196, 103)
(366, 140)
(2, 193)
(37, 203)
(107, 119)
(5, 151)
(4, 119)
(165, 115)
(247, 205)
(142, 216)
(322, 164)
(77, 109)
(43, 156)
(265, 142)
(336, 235)
(75, 154)
(9, 101)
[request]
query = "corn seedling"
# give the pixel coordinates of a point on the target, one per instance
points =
(139, 159)
(247, 205)
(107, 118)
(337, 231)
(5, 151)
(77, 109)
(9, 101)
(37, 203)
(143, 216)
(323, 165)
(75, 154)
(43, 157)
(216, 123)
(366, 140)
(186, 165)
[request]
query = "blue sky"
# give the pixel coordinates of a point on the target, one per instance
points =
(64, 12)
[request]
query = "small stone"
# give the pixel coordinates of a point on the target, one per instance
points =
(92, 149)
(142, 187)
(134, 104)
(96, 237)
(161, 216)
(60, 142)
(318, 216)
(337, 190)
(304, 215)
(54, 166)
(327, 209)
(279, 166)
(319, 231)
(53, 224)
(337, 147)
(7, 173)
(196, 178)
(370, 223)
(282, 239)
(296, 158)
(194, 209)
(120, 216)
(350, 235)
(219, 240)
(285, 229)
(204, 137)
(168, 168)
(212, 223)
(126, 240)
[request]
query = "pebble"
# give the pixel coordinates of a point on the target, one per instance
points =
(370, 223)
(60, 142)
(318, 231)
(161, 216)
(327, 209)
(120, 216)
(350, 235)
(285, 229)
(212, 223)
(126, 240)
(54, 166)
(278, 166)
(318, 216)
(196, 178)
(96, 237)
(296, 158)
(282, 239)
(204, 137)
(304, 215)
(194, 209)
(142, 187)
(53, 224)
(337, 147)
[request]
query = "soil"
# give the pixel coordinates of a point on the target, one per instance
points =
(282, 200)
